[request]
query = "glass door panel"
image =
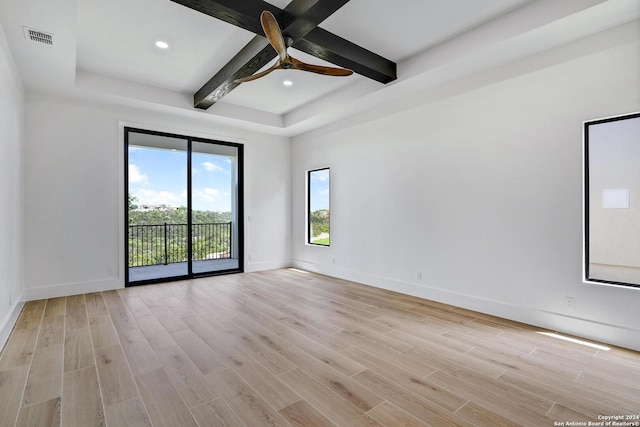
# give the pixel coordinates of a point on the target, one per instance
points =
(157, 207)
(214, 201)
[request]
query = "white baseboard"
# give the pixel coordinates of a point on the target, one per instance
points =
(66, 289)
(266, 265)
(7, 323)
(586, 328)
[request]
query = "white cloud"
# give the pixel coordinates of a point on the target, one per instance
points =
(212, 167)
(151, 197)
(136, 176)
(208, 194)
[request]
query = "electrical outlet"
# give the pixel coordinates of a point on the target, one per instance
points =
(334, 260)
(111, 271)
(569, 302)
(419, 275)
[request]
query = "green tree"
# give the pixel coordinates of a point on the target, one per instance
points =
(320, 221)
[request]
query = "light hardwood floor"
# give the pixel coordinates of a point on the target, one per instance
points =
(285, 347)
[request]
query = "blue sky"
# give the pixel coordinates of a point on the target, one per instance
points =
(159, 177)
(319, 187)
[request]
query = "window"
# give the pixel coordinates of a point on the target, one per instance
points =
(318, 217)
(612, 200)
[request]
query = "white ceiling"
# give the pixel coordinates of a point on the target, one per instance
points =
(105, 48)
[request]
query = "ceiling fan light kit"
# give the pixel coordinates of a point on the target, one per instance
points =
(285, 61)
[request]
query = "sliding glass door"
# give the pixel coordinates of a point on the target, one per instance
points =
(184, 204)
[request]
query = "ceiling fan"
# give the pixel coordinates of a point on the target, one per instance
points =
(286, 62)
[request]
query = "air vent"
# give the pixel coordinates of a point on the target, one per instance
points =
(38, 36)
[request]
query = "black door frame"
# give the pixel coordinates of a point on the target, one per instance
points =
(240, 207)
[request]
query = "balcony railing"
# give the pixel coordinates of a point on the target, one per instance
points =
(167, 243)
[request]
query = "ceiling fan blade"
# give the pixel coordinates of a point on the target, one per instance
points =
(258, 75)
(273, 33)
(275, 37)
(319, 69)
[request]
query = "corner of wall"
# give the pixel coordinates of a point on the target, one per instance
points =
(8, 322)
(12, 137)
(66, 289)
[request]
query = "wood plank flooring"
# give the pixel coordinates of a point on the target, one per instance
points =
(289, 348)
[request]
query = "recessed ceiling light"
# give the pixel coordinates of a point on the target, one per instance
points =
(162, 45)
(287, 82)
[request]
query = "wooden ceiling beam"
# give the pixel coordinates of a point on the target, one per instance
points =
(299, 20)
(255, 55)
(243, 14)
(325, 45)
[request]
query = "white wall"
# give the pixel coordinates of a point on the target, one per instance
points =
(479, 190)
(74, 192)
(11, 193)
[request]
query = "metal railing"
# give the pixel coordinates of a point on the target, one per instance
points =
(167, 243)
